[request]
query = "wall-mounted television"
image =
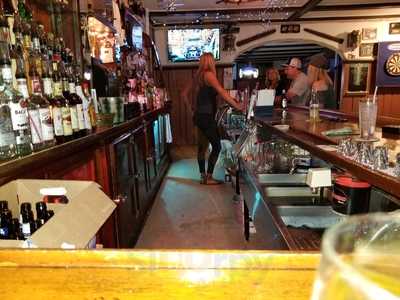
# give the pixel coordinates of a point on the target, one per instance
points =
(189, 44)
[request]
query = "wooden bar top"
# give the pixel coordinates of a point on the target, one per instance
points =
(308, 135)
(124, 274)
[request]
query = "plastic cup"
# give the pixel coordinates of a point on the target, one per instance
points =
(367, 113)
(360, 259)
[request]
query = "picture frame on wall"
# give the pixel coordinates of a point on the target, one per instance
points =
(358, 77)
(394, 28)
(369, 34)
(366, 50)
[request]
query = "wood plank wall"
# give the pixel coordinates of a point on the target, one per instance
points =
(175, 80)
(388, 99)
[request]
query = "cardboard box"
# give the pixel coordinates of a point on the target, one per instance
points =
(74, 224)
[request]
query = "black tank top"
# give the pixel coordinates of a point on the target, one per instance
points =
(206, 102)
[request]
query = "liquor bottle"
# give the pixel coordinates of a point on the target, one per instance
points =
(17, 48)
(92, 108)
(4, 29)
(27, 46)
(36, 51)
(56, 49)
(50, 46)
(24, 11)
(60, 109)
(18, 106)
(15, 230)
(63, 51)
(20, 72)
(71, 100)
(314, 107)
(40, 120)
(41, 212)
(86, 108)
(44, 52)
(26, 222)
(74, 85)
(26, 219)
(27, 35)
(7, 136)
(3, 205)
(5, 224)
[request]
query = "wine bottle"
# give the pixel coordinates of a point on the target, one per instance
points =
(18, 106)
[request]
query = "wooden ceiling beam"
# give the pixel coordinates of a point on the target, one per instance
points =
(215, 11)
(281, 53)
(310, 5)
(283, 49)
(356, 6)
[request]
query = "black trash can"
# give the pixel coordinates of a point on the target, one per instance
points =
(350, 196)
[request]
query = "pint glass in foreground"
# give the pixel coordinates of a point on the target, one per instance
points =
(360, 260)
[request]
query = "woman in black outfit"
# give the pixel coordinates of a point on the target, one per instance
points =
(206, 88)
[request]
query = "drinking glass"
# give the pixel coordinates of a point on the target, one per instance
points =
(360, 259)
(368, 109)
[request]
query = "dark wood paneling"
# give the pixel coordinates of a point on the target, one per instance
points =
(176, 79)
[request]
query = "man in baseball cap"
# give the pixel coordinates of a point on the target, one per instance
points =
(299, 90)
(294, 62)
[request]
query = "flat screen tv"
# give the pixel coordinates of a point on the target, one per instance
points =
(189, 44)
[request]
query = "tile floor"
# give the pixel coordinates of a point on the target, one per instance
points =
(187, 215)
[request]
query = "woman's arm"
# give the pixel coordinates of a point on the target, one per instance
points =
(212, 81)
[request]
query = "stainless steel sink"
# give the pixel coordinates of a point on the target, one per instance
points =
(282, 179)
(309, 216)
(290, 195)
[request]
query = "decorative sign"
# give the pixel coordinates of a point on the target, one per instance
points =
(290, 28)
(369, 34)
(358, 79)
(367, 50)
(394, 28)
(388, 65)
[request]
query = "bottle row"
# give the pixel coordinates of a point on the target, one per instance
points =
(23, 227)
(43, 100)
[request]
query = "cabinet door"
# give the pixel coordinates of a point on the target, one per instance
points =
(163, 140)
(157, 142)
(124, 188)
(151, 154)
(140, 169)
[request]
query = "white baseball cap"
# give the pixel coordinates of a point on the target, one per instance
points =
(294, 62)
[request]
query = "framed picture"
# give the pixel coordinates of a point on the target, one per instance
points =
(366, 50)
(358, 77)
(369, 34)
(394, 28)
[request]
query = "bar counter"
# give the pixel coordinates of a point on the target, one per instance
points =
(44, 158)
(309, 136)
(103, 274)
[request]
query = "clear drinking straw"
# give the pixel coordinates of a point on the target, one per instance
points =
(375, 92)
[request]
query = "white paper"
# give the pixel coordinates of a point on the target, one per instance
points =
(54, 191)
(266, 97)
